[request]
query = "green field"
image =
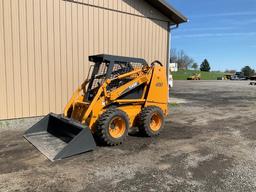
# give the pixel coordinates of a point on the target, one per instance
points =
(184, 74)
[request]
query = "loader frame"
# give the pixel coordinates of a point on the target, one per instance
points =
(119, 95)
(147, 76)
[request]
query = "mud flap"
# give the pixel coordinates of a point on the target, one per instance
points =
(58, 138)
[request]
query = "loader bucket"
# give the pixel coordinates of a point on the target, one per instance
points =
(57, 137)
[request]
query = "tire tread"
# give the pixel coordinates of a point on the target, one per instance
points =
(102, 134)
(144, 121)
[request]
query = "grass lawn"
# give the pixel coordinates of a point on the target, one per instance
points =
(184, 74)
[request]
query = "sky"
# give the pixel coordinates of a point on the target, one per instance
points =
(222, 31)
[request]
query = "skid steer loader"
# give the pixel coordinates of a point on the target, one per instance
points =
(119, 93)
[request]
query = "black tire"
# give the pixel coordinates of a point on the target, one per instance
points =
(146, 118)
(103, 132)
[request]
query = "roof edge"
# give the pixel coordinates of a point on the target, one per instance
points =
(169, 11)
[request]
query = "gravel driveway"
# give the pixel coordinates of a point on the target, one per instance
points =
(208, 144)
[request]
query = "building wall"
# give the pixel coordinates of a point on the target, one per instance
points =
(45, 44)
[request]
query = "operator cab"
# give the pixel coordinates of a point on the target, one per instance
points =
(109, 67)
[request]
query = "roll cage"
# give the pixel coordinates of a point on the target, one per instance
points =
(109, 67)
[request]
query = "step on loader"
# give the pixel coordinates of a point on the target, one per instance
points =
(119, 93)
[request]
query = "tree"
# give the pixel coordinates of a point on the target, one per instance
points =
(248, 71)
(181, 58)
(205, 66)
(173, 56)
(195, 66)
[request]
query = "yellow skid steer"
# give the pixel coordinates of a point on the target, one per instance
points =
(119, 93)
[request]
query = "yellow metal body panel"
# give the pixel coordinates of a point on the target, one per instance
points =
(158, 89)
(70, 103)
(132, 111)
(97, 110)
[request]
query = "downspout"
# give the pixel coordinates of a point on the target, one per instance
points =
(168, 53)
(168, 45)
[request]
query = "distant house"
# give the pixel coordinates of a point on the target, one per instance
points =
(173, 67)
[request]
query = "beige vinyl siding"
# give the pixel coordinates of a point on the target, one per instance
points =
(45, 44)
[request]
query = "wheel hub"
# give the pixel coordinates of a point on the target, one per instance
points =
(117, 127)
(155, 122)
